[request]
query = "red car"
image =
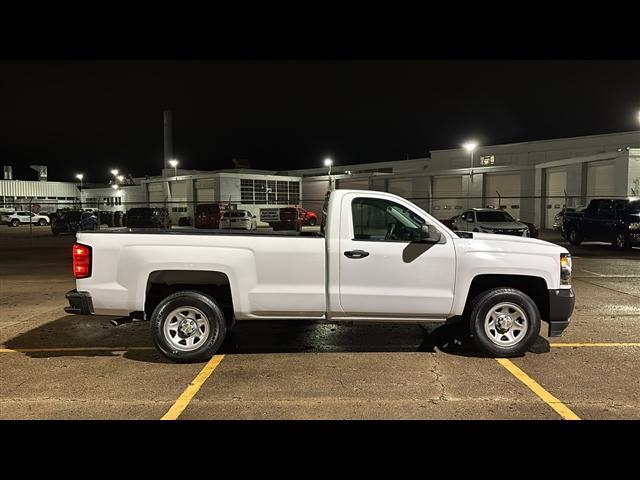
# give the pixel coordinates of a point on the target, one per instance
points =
(292, 218)
(208, 215)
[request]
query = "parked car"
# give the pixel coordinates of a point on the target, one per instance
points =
(148, 217)
(606, 220)
(558, 220)
(490, 220)
(381, 258)
(533, 229)
(73, 221)
(241, 219)
(292, 218)
(16, 218)
(208, 215)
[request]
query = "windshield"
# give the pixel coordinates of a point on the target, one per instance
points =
(72, 216)
(497, 216)
(634, 206)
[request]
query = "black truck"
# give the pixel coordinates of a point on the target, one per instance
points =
(605, 220)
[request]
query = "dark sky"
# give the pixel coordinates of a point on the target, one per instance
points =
(91, 116)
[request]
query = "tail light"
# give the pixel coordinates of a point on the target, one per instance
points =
(81, 260)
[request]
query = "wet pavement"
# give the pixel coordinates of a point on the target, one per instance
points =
(55, 365)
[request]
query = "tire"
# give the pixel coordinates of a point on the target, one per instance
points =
(621, 241)
(514, 305)
(171, 342)
(15, 222)
(312, 222)
(574, 236)
(42, 222)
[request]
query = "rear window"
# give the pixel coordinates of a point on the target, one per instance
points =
(236, 213)
(72, 216)
(208, 209)
(140, 211)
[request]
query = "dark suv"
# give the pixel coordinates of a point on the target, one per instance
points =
(72, 221)
(606, 220)
(148, 217)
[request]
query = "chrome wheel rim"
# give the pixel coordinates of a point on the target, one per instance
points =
(620, 240)
(186, 328)
(506, 324)
(572, 235)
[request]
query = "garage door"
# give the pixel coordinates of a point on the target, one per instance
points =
(447, 197)
(401, 187)
(156, 194)
(503, 191)
(600, 179)
(361, 184)
(178, 190)
(204, 191)
(554, 201)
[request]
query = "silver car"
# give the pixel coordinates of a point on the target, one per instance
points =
(240, 219)
(489, 220)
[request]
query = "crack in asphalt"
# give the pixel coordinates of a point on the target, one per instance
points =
(438, 374)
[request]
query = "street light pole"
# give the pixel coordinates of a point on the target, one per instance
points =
(470, 147)
(80, 176)
(327, 163)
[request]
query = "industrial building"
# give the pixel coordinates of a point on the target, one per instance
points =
(531, 180)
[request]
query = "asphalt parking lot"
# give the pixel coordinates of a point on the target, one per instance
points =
(54, 365)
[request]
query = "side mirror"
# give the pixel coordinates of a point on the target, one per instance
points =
(429, 234)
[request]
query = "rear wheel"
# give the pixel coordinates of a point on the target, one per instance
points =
(312, 221)
(574, 236)
(188, 326)
(15, 222)
(42, 222)
(504, 322)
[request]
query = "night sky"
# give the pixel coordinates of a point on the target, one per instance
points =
(91, 116)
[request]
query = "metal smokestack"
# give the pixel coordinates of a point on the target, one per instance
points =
(168, 137)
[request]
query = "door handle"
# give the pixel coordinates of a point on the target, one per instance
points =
(356, 254)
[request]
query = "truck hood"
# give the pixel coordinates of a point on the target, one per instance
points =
(502, 225)
(508, 242)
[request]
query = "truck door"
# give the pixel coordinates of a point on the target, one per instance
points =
(604, 222)
(384, 269)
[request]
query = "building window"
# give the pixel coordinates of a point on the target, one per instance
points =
(487, 160)
(271, 191)
(282, 193)
(260, 191)
(246, 191)
(294, 193)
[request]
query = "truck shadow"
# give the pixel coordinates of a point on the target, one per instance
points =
(88, 336)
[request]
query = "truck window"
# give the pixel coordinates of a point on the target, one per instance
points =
(383, 220)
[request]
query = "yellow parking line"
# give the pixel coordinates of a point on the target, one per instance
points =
(183, 400)
(564, 411)
(604, 344)
(72, 349)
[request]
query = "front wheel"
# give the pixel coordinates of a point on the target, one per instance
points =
(188, 326)
(42, 222)
(15, 222)
(504, 322)
(621, 241)
(312, 222)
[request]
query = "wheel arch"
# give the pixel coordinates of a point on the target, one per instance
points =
(535, 287)
(216, 284)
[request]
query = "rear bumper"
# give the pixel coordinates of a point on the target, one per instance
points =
(79, 303)
(561, 303)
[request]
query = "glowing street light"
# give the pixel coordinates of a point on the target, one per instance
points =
(327, 163)
(114, 172)
(174, 163)
(120, 178)
(80, 176)
(115, 186)
(470, 147)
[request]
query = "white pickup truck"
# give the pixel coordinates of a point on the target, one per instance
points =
(377, 257)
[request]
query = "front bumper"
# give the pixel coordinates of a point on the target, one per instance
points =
(561, 303)
(79, 303)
